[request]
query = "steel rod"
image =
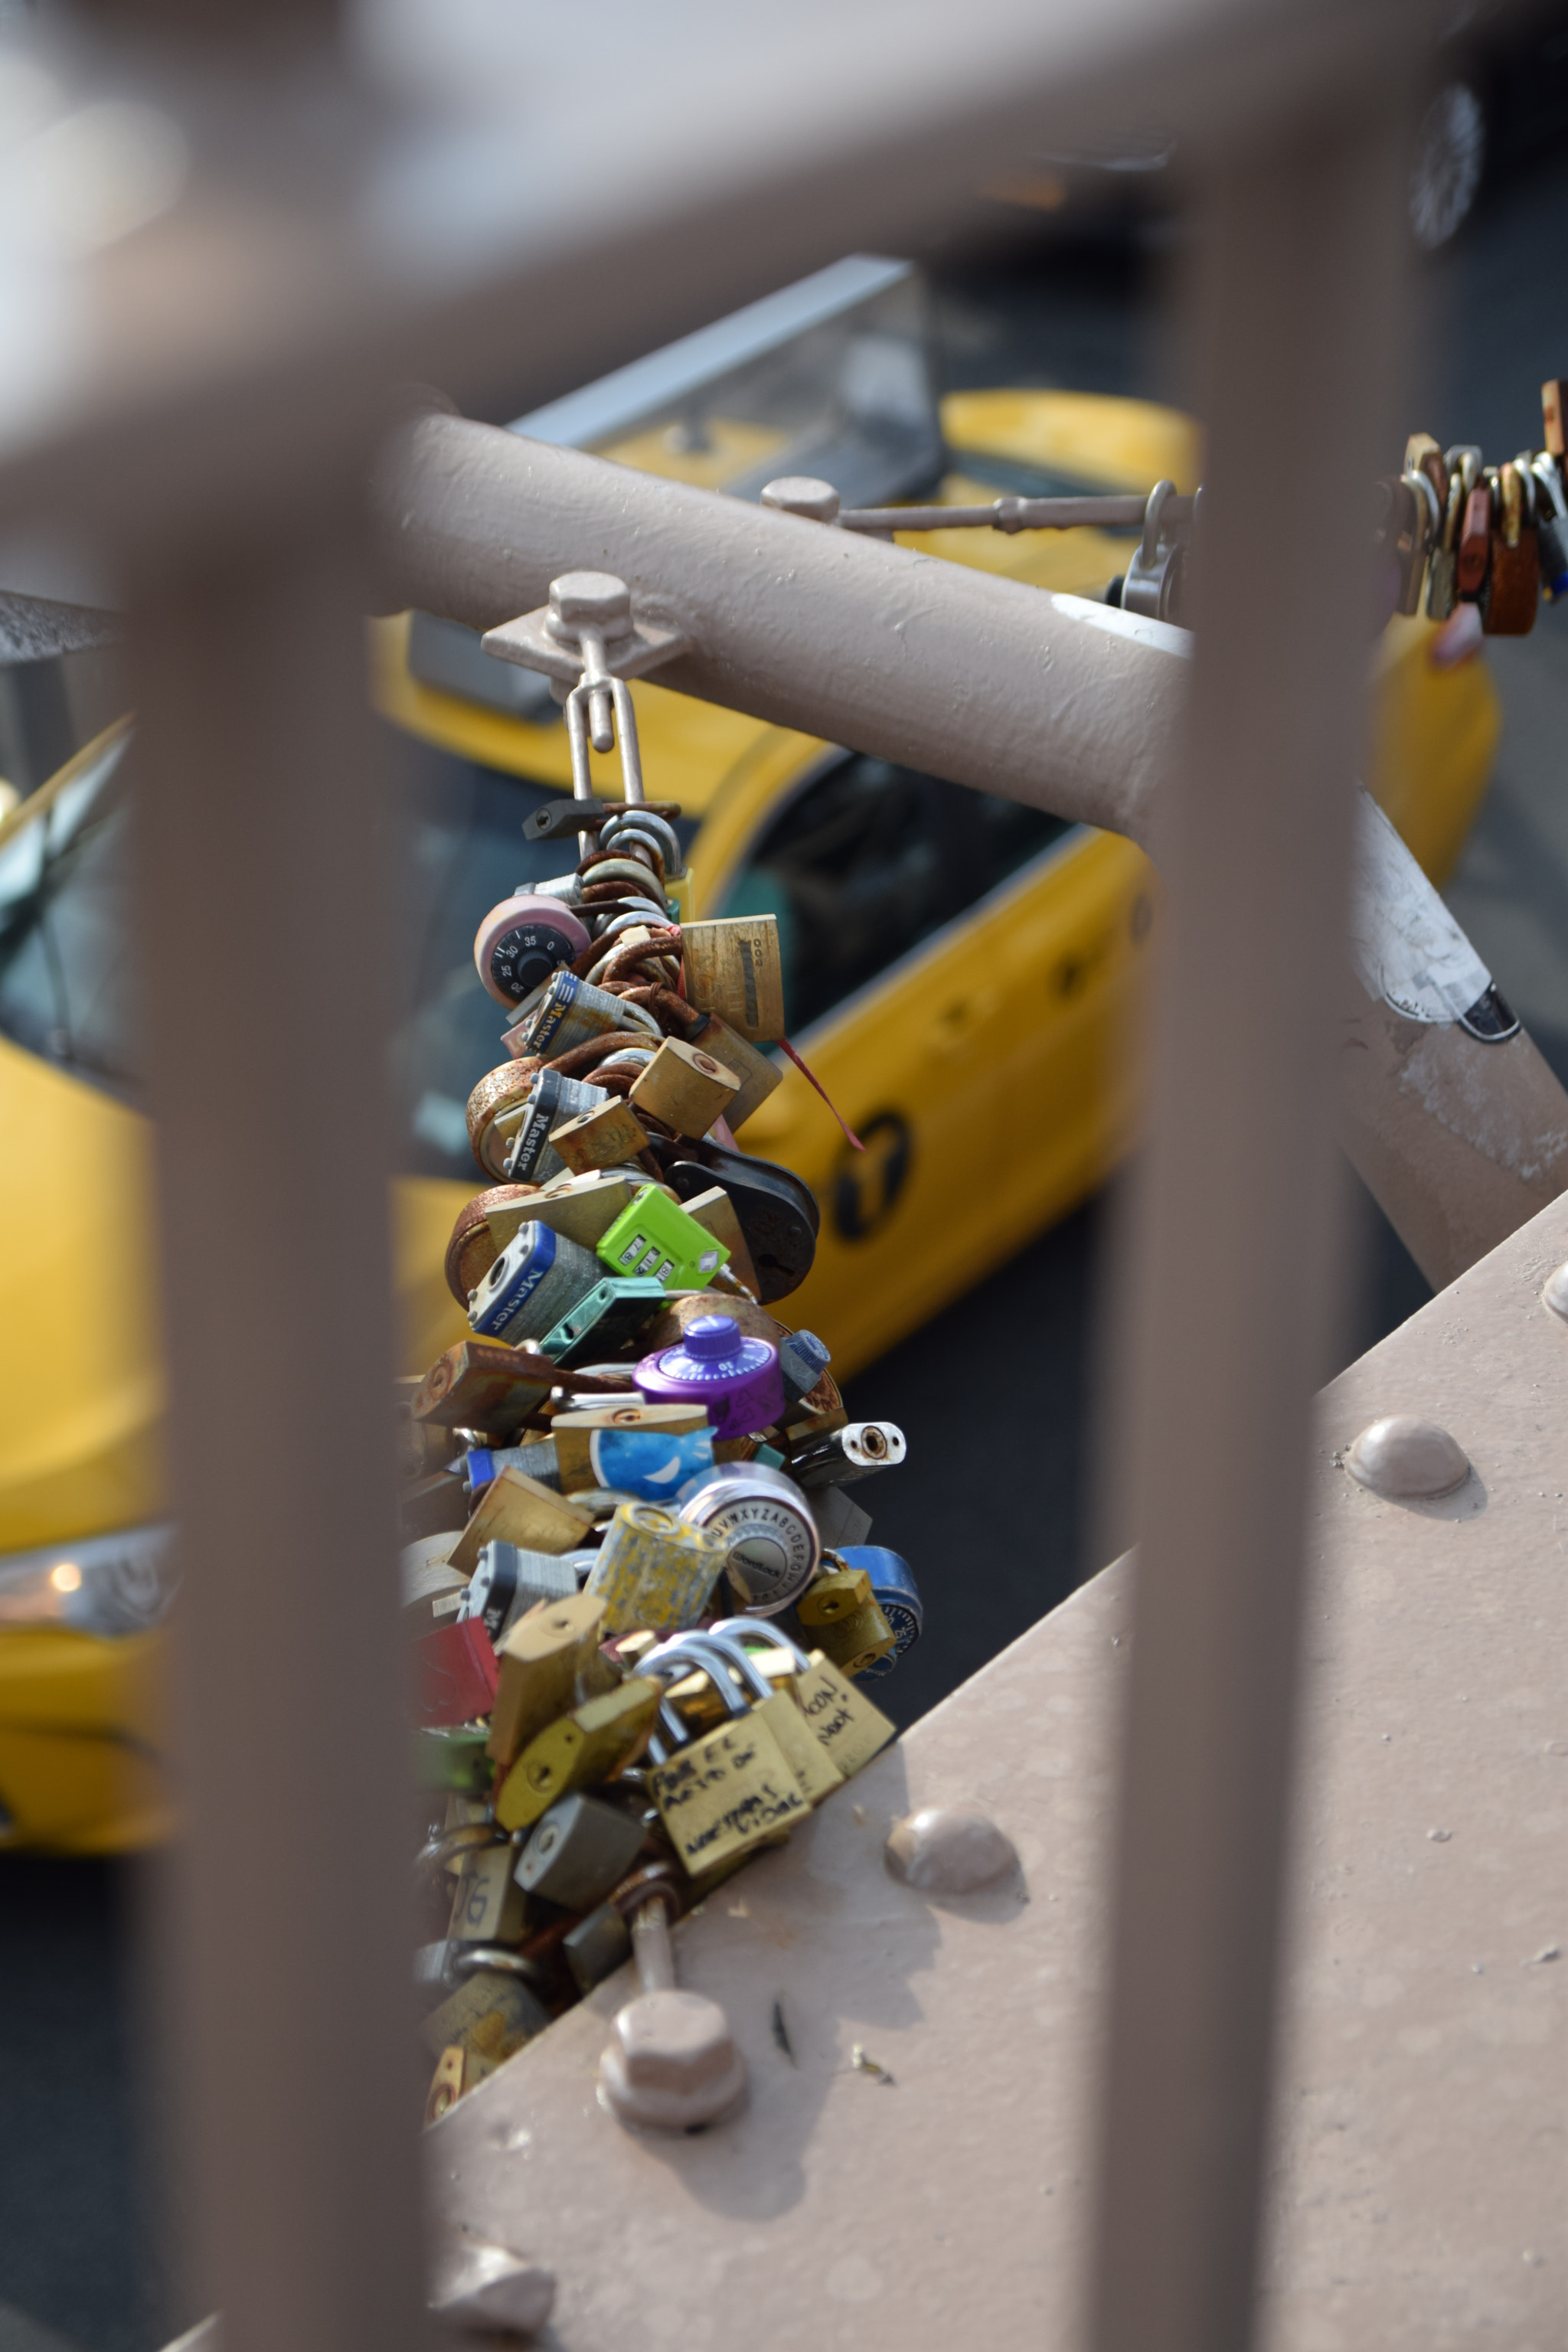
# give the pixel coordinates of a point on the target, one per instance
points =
(1235, 1271)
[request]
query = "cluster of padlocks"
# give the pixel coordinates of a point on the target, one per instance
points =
(1493, 536)
(643, 1607)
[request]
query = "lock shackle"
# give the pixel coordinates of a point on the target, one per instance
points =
(671, 1662)
(1148, 544)
(729, 1649)
(730, 1633)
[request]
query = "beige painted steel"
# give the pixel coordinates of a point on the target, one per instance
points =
(1459, 1142)
(1419, 2194)
(286, 1985)
(907, 656)
(1235, 1264)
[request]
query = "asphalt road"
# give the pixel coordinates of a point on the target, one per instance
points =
(992, 1504)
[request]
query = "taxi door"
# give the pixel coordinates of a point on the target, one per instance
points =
(880, 878)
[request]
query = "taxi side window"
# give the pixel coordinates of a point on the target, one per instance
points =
(868, 860)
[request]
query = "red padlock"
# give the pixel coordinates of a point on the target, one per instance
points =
(458, 1673)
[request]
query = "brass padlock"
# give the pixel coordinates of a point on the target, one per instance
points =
(489, 1907)
(841, 1613)
(517, 1510)
(548, 1663)
(726, 1790)
(841, 1718)
(733, 968)
(758, 1074)
(606, 1137)
(685, 1088)
(779, 1708)
(592, 1743)
(481, 1384)
(715, 1213)
(489, 2014)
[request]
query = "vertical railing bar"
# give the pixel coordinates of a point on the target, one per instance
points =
(1236, 1259)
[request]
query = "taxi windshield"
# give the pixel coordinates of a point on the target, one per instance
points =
(67, 979)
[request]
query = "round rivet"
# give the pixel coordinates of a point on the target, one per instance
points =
(1555, 1294)
(1407, 1459)
(490, 2288)
(949, 1850)
(802, 494)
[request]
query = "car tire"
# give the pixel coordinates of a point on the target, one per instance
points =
(1446, 165)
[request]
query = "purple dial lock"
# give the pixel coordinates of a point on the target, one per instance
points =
(737, 1380)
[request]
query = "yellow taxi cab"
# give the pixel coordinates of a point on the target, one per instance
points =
(962, 973)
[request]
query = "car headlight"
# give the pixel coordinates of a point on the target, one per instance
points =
(121, 1583)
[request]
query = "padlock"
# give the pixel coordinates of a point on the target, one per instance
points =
(480, 1231)
(1442, 570)
(508, 1581)
(1475, 542)
(553, 1101)
(841, 1613)
(457, 1673)
(547, 1663)
(685, 1088)
(482, 1465)
(778, 1707)
(654, 1569)
(428, 1577)
(568, 1011)
(841, 1718)
(650, 1463)
(454, 1760)
(607, 1318)
(1422, 455)
(597, 1947)
(584, 1207)
(778, 1213)
(803, 1360)
(538, 1277)
(896, 1594)
(1554, 409)
(578, 1850)
(767, 1530)
(595, 1742)
(840, 1518)
(732, 967)
(607, 1136)
(728, 1789)
(1513, 584)
(489, 1907)
(715, 1213)
(490, 2014)
(448, 2083)
(524, 940)
(1416, 521)
(516, 1509)
(844, 1456)
(654, 1237)
(478, 1385)
(1550, 526)
(756, 1074)
(574, 1431)
(495, 1109)
(737, 1380)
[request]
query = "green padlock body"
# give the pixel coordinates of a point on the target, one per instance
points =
(654, 1238)
(454, 1760)
(605, 1321)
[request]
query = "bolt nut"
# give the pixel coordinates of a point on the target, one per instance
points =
(672, 2065)
(591, 599)
(1406, 1459)
(801, 494)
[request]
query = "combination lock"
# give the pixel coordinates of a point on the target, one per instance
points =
(522, 942)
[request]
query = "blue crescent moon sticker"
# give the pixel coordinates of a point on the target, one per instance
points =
(650, 1463)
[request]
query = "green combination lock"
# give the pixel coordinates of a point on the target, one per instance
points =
(654, 1237)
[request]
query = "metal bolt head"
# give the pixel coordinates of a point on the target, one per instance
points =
(1407, 1459)
(590, 599)
(949, 1850)
(1555, 1294)
(490, 2288)
(802, 494)
(672, 2065)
